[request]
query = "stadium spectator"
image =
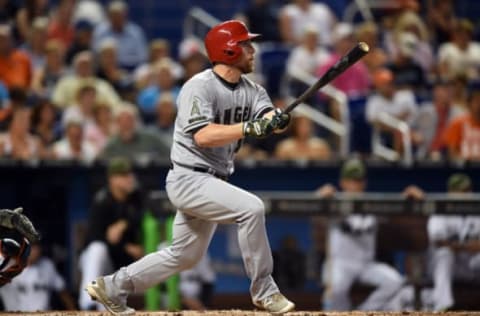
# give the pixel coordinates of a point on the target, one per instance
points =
(37, 42)
(133, 142)
(15, 65)
(73, 145)
(83, 108)
(16, 98)
(100, 129)
(30, 10)
(64, 93)
(351, 245)
(191, 58)
(407, 72)
(158, 49)
(355, 81)
(108, 69)
(308, 56)
(261, 17)
(82, 39)
(368, 32)
(165, 83)
(441, 20)
(113, 227)
(462, 136)
(131, 43)
(18, 143)
(44, 123)
(32, 290)
(166, 112)
(45, 78)
(460, 93)
(431, 121)
(455, 253)
(89, 10)
(461, 55)
(61, 24)
(300, 14)
(303, 144)
(387, 98)
(411, 22)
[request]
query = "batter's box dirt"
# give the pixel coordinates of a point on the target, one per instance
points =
(248, 313)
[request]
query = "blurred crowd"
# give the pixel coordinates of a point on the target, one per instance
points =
(422, 71)
(79, 80)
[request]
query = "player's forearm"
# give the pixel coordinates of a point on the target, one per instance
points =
(216, 135)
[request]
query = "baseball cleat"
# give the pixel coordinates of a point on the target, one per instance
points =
(96, 290)
(275, 304)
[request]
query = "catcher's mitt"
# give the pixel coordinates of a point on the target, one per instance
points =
(17, 221)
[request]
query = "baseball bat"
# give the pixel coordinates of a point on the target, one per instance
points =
(357, 52)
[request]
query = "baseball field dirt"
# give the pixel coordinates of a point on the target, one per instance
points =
(250, 313)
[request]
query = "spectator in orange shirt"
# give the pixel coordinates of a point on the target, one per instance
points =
(15, 65)
(462, 136)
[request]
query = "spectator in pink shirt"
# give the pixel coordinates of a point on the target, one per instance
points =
(355, 81)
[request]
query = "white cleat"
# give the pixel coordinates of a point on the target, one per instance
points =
(96, 290)
(275, 304)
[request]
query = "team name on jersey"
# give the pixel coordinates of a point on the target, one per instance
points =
(233, 115)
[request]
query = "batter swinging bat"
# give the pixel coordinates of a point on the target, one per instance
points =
(360, 50)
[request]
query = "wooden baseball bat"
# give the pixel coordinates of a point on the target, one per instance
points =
(357, 52)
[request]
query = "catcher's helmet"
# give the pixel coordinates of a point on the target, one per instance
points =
(222, 41)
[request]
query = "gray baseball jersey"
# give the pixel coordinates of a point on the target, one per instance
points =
(204, 99)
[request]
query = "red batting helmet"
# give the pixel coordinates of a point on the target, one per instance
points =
(222, 41)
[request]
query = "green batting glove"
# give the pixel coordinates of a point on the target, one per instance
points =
(280, 120)
(257, 128)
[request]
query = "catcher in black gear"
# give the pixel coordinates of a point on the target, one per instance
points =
(16, 235)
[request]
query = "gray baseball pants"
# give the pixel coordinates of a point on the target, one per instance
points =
(203, 201)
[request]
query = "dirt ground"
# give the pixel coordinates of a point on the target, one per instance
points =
(248, 313)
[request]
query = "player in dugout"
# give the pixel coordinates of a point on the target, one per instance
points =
(351, 245)
(455, 248)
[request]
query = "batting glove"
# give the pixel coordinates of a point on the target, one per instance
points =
(256, 128)
(279, 120)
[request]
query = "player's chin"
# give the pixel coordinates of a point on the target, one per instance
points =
(247, 68)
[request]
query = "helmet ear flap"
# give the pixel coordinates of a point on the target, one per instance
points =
(233, 53)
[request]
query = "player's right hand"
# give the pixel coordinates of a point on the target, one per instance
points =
(257, 128)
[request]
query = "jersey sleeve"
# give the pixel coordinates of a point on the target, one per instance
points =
(195, 107)
(262, 103)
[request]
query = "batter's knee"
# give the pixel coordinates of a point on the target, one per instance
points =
(255, 207)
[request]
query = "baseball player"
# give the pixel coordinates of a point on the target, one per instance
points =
(32, 290)
(16, 235)
(351, 254)
(217, 108)
(455, 244)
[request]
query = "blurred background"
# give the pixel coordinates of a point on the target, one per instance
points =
(394, 140)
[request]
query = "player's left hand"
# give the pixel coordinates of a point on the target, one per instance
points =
(279, 121)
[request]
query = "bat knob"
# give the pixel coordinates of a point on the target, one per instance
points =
(364, 47)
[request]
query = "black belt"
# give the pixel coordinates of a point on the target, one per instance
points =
(211, 171)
